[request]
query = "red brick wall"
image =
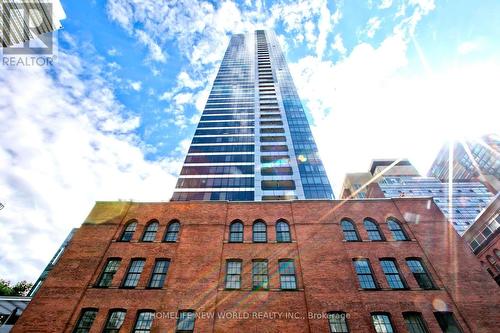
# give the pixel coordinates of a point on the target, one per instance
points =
(323, 261)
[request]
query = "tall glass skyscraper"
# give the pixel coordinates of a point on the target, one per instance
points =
(253, 141)
(472, 159)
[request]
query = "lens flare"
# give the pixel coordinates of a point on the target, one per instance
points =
(302, 158)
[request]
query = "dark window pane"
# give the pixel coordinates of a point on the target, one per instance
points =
(134, 273)
(396, 231)
(372, 230)
(159, 274)
(382, 323)
(109, 272)
(115, 321)
(144, 322)
(128, 232)
(415, 322)
(283, 232)
(150, 232)
(260, 275)
(172, 232)
(259, 232)
(85, 322)
(349, 231)
(287, 274)
(447, 322)
(338, 322)
(278, 185)
(364, 272)
(420, 273)
(236, 232)
(391, 274)
(233, 274)
(185, 323)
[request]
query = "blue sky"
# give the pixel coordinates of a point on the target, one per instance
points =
(113, 117)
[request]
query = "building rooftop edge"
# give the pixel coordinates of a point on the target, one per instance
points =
(264, 202)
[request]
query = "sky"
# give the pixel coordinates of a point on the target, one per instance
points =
(113, 117)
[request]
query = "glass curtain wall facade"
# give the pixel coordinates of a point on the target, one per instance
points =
(253, 141)
(472, 159)
(468, 199)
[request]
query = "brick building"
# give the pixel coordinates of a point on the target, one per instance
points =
(266, 267)
(483, 238)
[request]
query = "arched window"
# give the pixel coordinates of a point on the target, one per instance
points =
(373, 231)
(150, 231)
(396, 230)
(236, 232)
(349, 230)
(283, 232)
(129, 231)
(172, 231)
(259, 232)
(497, 253)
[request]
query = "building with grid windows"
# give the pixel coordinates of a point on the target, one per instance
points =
(19, 17)
(460, 201)
(317, 266)
(253, 141)
(242, 259)
(472, 159)
(483, 237)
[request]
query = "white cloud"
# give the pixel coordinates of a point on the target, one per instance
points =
(338, 44)
(155, 51)
(467, 47)
(199, 29)
(325, 26)
(136, 85)
(425, 5)
(183, 98)
(112, 52)
(364, 106)
(409, 23)
(372, 26)
(166, 96)
(186, 81)
(78, 147)
(384, 4)
(336, 16)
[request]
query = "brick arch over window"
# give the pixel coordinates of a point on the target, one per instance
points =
(373, 229)
(150, 231)
(397, 230)
(349, 230)
(259, 231)
(236, 231)
(283, 234)
(128, 231)
(172, 233)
